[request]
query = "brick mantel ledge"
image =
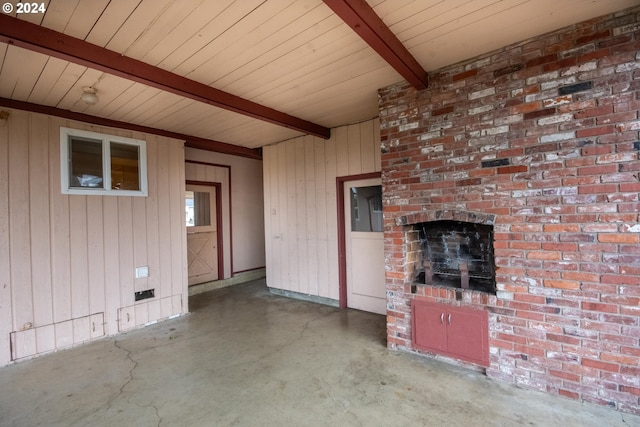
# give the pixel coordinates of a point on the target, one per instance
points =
(453, 215)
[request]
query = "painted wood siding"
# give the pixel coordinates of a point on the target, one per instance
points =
(67, 262)
(301, 235)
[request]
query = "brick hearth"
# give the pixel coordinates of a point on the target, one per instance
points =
(542, 138)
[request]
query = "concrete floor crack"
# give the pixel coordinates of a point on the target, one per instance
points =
(130, 379)
(155, 409)
(135, 365)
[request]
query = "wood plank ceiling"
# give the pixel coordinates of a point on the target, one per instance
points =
(296, 57)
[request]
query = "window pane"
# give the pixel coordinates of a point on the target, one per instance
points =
(366, 208)
(125, 167)
(94, 163)
(85, 163)
(197, 208)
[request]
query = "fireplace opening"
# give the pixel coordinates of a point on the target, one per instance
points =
(456, 254)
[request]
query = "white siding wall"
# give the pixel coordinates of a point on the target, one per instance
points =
(301, 234)
(67, 263)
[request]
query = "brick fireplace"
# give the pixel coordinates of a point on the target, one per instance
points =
(454, 252)
(541, 141)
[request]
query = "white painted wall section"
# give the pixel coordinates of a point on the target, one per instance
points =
(300, 215)
(68, 262)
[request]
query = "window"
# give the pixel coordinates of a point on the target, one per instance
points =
(366, 209)
(95, 163)
(197, 208)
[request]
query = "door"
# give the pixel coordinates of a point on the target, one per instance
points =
(202, 233)
(364, 245)
(429, 327)
(468, 335)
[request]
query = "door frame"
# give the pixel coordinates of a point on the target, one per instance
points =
(342, 245)
(218, 187)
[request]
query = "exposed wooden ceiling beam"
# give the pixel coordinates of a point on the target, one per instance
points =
(40, 39)
(190, 141)
(368, 25)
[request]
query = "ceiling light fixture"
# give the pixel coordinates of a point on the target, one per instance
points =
(89, 96)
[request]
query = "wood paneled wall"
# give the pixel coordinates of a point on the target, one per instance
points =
(67, 262)
(301, 235)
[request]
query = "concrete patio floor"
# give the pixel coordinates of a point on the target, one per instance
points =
(245, 357)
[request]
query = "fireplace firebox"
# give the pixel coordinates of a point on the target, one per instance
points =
(456, 254)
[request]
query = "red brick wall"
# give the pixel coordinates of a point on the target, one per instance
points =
(544, 135)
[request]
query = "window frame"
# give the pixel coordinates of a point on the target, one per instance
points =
(105, 140)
